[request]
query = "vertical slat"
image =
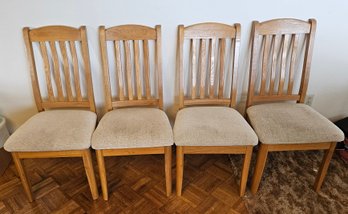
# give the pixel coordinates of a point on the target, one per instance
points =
(293, 63)
(76, 70)
(265, 64)
(222, 67)
(203, 67)
(283, 64)
(276, 43)
(137, 68)
(194, 67)
(56, 71)
(47, 71)
(212, 67)
(33, 72)
(236, 42)
(158, 62)
(106, 76)
(180, 66)
(147, 69)
(128, 69)
(87, 68)
(66, 70)
(119, 70)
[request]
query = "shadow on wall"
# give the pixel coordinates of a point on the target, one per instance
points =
(18, 117)
(173, 109)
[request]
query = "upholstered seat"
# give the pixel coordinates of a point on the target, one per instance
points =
(55, 130)
(291, 123)
(133, 128)
(212, 126)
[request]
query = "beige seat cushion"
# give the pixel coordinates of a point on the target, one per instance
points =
(55, 130)
(133, 128)
(212, 126)
(291, 123)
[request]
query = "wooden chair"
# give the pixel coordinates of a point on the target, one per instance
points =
(281, 51)
(216, 128)
(61, 128)
(138, 125)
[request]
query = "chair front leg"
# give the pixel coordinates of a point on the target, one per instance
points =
(23, 176)
(324, 166)
(259, 167)
(102, 174)
(245, 170)
(179, 169)
(87, 162)
(168, 169)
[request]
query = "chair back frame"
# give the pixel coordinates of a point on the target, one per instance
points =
(132, 35)
(212, 34)
(282, 35)
(61, 36)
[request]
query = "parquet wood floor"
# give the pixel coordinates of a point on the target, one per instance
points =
(136, 185)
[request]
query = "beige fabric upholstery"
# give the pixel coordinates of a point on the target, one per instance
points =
(133, 128)
(212, 126)
(290, 123)
(54, 130)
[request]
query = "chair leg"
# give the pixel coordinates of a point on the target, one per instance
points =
(23, 176)
(87, 162)
(179, 169)
(259, 167)
(102, 174)
(245, 170)
(324, 166)
(168, 169)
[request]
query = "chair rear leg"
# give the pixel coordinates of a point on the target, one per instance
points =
(168, 169)
(102, 174)
(259, 167)
(245, 170)
(179, 169)
(87, 162)
(324, 166)
(23, 176)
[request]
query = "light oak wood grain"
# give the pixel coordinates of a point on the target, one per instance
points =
(207, 35)
(132, 36)
(277, 38)
(57, 36)
(52, 37)
(205, 40)
(285, 34)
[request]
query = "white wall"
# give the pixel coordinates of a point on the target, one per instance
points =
(329, 76)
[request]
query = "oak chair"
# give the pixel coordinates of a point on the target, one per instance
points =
(207, 122)
(279, 71)
(137, 125)
(62, 85)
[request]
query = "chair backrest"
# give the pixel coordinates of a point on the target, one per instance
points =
(60, 67)
(281, 58)
(137, 66)
(207, 59)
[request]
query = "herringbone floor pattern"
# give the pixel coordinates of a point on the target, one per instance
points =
(136, 185)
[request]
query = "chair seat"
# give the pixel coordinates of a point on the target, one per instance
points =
(291, 123)
(54, 130)
(133, 128)
(212, 126)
